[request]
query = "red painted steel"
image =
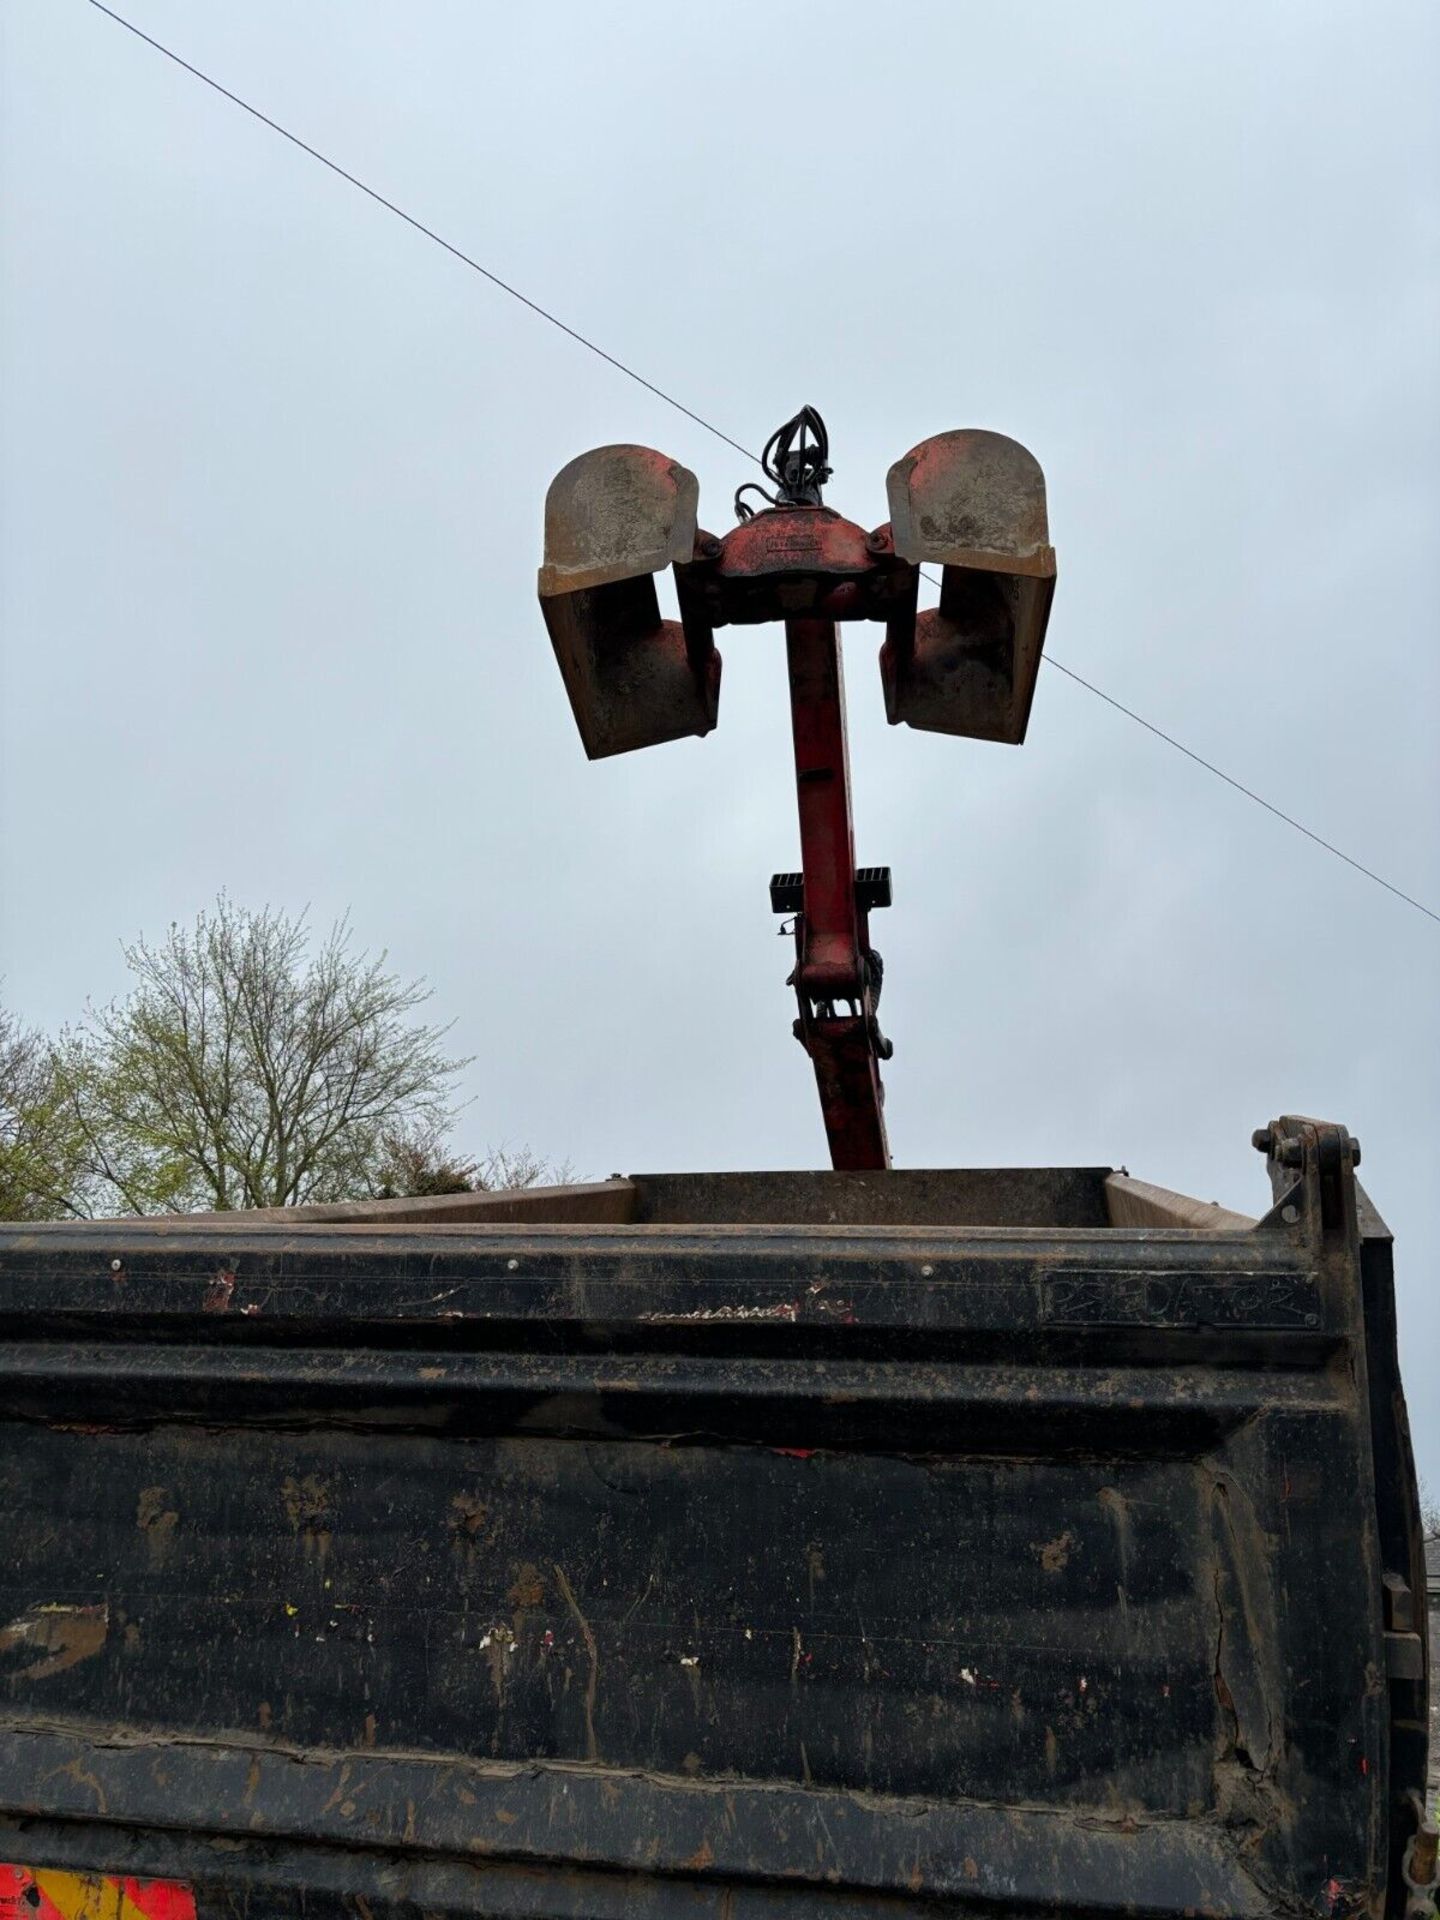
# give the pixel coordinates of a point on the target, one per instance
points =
(830, 966)
(832, 973)
(44, 1893)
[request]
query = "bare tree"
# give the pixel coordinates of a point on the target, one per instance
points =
(246, 1070)
(41, 1153)
(418, 1160)
(421, 1160)
(509, 1169)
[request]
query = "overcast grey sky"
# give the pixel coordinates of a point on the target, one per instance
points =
(273, 475)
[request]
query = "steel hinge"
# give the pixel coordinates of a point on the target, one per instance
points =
(1404, 1656)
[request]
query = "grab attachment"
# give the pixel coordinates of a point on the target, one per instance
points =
(972, 503)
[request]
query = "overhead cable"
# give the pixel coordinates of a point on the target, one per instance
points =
(670, 400)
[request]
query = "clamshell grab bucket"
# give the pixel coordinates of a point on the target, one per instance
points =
(972, 503)
(614, 518)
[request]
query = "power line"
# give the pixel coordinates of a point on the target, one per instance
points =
(419, 226)
(1239, 786)
(1049, 660)
(699, 420)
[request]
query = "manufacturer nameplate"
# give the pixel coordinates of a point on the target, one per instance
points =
(1180, 1300)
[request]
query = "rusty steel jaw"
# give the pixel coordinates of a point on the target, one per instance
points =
(614, 518)
(971, 503)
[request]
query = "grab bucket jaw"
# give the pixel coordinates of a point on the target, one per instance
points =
(614, 518)
(973, 503)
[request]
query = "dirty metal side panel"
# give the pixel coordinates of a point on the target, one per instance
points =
(909, 1196)
(764, 1570)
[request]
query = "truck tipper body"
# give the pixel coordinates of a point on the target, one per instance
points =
(877, 1545)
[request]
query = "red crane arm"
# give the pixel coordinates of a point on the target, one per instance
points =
(835, 979)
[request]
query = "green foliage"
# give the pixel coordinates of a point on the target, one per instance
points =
(42, 1157)
(247, 1069)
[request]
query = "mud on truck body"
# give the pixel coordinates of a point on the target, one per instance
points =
(796, 1545)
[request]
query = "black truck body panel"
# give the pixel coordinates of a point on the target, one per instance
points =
(735, 1565)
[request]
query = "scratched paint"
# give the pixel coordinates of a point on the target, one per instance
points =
(56, 1636)
(1055, 1554)
(781, 1310)
(219, 1292)
(817, 1303)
